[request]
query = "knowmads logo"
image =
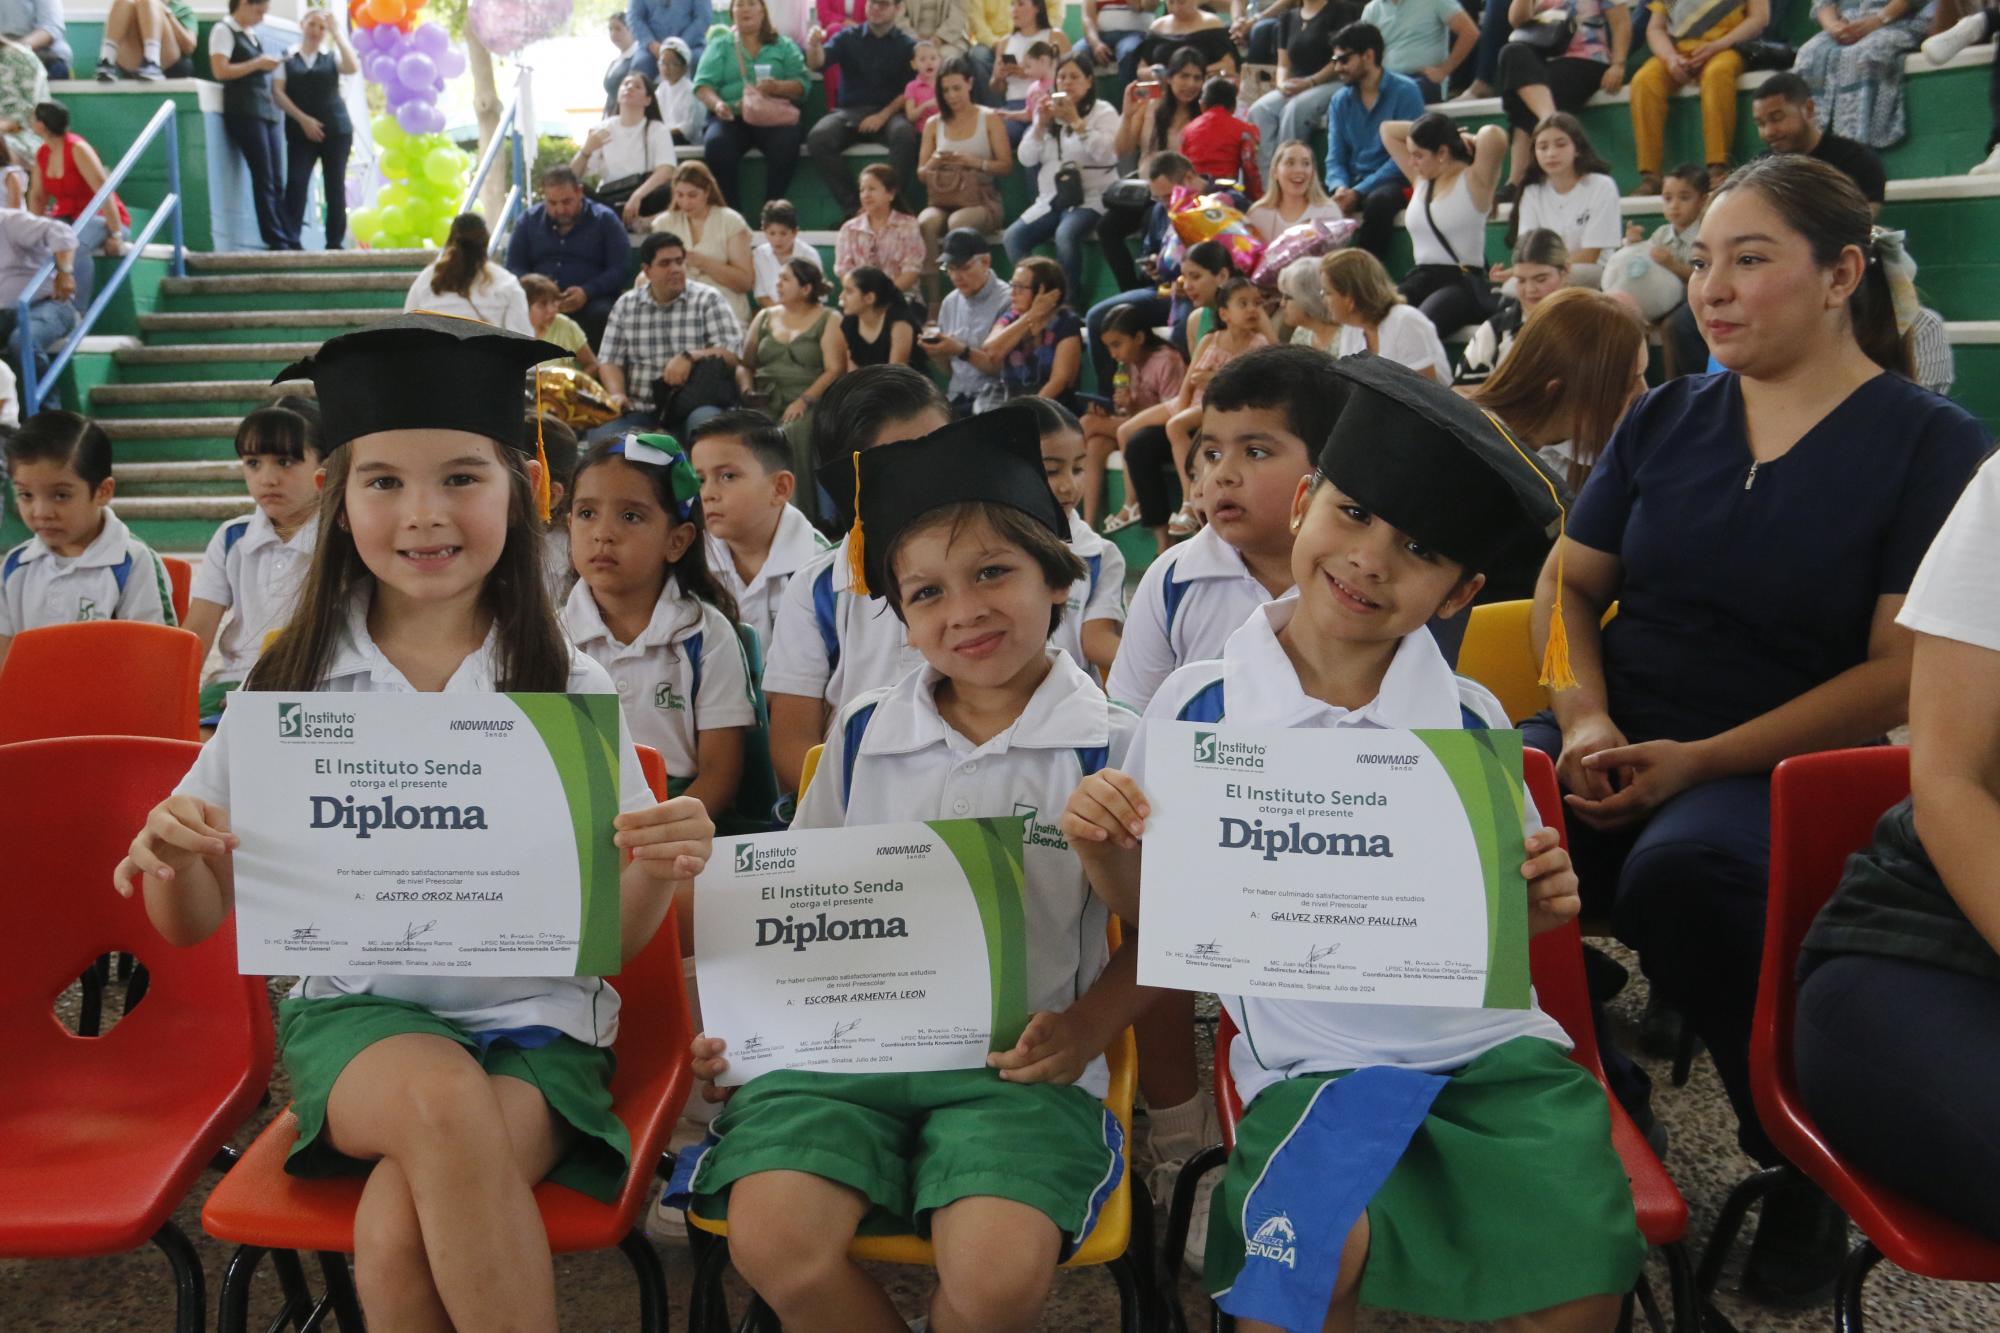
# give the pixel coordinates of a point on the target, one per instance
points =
(1211, 751)
(754, 860)
(296, 722)
(1274, 1240)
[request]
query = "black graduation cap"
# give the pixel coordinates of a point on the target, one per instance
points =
(1442, 469)
(1434, 464)
(423, 370)
(994, 457)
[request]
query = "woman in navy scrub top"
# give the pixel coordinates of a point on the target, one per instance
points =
(1759, 529)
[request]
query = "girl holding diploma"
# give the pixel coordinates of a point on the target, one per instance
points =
(456, 1095)
(1448, 1142)
(1004, 1168)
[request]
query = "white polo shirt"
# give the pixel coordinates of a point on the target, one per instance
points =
(891, 757)
(684, 674)
(1280, 1039)
(793, 546)
(116, 578)
(1189, 602)
(1101, 594)
(827, 643)
(585, 1008)
(255, 575)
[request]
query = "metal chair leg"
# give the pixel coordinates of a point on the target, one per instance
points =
(1684, 1053)
(136, 988)
(1143, 1259)
(1131, 1296)
(1730, 1221)
(645, 1261)
(190, 1292)
(90, 1013)
(340, 1293)
(1682, 1291)
(708, 1311)
(1180, 1212)
(1847, 1315)
(1625, 1313)
(1642, 1294)
(300, 1308)
(233, 1304)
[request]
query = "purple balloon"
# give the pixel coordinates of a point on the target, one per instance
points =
(431, 40)
(411, 116)
(363, 40)
(450, 64)
(381, 70)
(434, 119)
(416, 71)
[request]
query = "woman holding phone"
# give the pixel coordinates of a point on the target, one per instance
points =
(964, 153)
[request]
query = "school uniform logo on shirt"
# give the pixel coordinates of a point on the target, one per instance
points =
(1039, 834)
(1275, 1240)
(668, 699)
(86, 609)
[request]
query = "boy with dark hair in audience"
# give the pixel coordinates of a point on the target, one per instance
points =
(757, 538)
(1220, 144)
(776, 244)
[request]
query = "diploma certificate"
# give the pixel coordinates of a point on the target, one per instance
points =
(892, 948)
(465, 834)
(1350, 864)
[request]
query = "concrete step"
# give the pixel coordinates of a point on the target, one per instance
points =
(196, 399)
(121, 429)
(174, 363)
(212, 327)
(200, 479)
(307, 261)
(194, 508)
(267, 292)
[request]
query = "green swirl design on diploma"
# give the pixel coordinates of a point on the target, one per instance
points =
(1485, 770)
(580, 732)
(989, 851)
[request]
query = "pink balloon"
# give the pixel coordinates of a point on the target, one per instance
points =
(505, 26)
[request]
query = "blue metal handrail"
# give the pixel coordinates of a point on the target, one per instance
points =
(34, 384)
(508, 132)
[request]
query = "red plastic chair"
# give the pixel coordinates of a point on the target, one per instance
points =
(180, 578)
(259, 1207)
(1823, 808)
(101, 678)
(1555, 961)
(106, 1135)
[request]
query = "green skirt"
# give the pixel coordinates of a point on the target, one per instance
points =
(1510, 1198)
(317, 1039)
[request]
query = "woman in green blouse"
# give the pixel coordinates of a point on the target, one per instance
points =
(750, 53)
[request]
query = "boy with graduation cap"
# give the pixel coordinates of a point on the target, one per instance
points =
(1451, 1163)
(455, 1094)
(1003, 1167)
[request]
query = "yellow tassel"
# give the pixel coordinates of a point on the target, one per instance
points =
(1556, 673)
(857, 570)
(543, 492)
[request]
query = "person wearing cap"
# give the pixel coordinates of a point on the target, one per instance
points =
(653, 21)
(1758, 541)
(1479, 1149)
(679, 107)
(670, 348)
(959, 534)
(976, 301)
(427, 578)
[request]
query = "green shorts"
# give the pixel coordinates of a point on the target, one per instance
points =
(209, 702)
(912, 1143)
(317, 1038)
(1509, 1199)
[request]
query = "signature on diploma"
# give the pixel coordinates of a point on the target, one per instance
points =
(1211, 949)
(1320, 951)
(842, 1029)
(304, 934)
(753, 1045)
(416, 932)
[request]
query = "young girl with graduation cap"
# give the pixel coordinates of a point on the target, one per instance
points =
(1005, 1167)
(1462, 1166)
(461, 1092)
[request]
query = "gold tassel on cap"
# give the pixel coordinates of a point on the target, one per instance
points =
(857, 574)
(1556, 671)
(543, 491)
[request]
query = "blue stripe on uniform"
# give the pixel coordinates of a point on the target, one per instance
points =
(823, 616)
(1114, 1141)
(1171, 593)
(1207, 704)
(687, 1163)
(694, 670)
(850, 743)
(232, 533)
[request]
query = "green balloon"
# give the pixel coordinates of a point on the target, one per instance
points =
(441, 165)
(392, 218)
(363, 222)
(388, 134)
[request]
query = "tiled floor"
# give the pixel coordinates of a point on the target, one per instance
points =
(132, 1291)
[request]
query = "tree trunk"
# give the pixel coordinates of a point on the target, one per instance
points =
(486, 105)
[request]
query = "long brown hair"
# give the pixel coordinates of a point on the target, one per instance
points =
(534, 655)
(1360, 277)
(464, 259)
(1586, 344)
(697, 173)
(1824, 205)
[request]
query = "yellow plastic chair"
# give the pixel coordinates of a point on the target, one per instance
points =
(1122, 1239)
(808, 768)
(1499, 653)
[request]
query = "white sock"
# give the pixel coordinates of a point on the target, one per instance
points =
(1180, 1130)
(108, 51)
(151, 50)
